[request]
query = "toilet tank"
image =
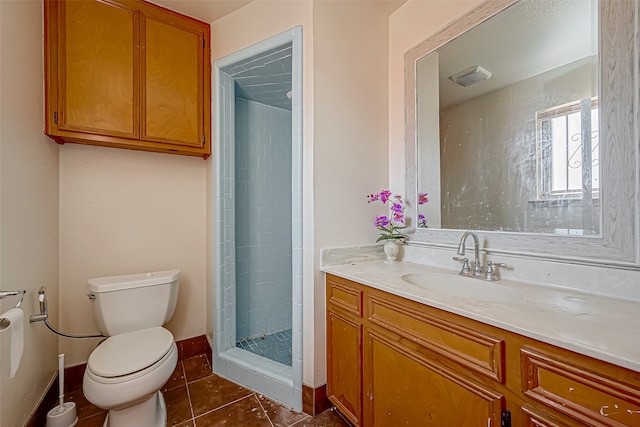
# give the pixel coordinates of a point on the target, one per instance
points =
(134, 301)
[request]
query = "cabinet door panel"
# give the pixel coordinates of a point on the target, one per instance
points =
(587, 396)
(99, 68)
(344, 385)
(172, 83)
(407, 389)
(533, 418)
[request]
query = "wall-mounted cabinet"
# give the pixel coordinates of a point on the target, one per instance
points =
(127, 74)
(392, 361)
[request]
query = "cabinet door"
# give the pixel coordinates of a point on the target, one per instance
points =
(98, 68)
(405, 388)
(532, 417)
(344, 365)
(172, 80)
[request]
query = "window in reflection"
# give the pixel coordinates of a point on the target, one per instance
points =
(568, 148)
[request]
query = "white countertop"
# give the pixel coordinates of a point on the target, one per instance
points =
(605, 328)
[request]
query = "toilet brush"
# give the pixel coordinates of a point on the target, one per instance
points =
(63, 415)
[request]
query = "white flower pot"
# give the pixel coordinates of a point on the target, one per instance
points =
(391, 250)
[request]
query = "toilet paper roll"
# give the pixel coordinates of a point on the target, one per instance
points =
(15, 316)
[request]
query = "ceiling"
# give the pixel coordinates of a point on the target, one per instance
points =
(207, 11)
(527, 39)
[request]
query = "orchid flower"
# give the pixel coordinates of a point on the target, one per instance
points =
(389, 225)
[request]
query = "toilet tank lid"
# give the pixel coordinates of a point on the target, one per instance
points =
(116, 283)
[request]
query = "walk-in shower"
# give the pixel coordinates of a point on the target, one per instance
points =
(257, 225)
(263, 195)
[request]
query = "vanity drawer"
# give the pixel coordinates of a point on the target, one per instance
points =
(574, 386)
(472, 349)
(344, 294)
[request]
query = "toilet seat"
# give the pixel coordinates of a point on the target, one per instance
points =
(127, 356)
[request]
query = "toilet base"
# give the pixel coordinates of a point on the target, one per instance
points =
(151, 412)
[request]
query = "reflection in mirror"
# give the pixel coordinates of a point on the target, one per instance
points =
(507, 123)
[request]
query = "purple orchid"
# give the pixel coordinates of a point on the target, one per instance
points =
(382, 221)
(389, 225)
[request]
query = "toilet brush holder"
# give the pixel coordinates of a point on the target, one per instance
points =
(64, 414)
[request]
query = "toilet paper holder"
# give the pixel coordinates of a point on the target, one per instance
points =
(5, 323)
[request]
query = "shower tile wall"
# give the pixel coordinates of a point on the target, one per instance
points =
(224, 320)
(263, 219)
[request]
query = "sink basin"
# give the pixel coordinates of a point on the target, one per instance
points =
(463, 287)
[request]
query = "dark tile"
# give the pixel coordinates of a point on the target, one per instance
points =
(84, 408)
(94, 421)
(176, 380)
(246, 412)
(210, 355)
(329, 418)
(178, 407)
(214, 401)
(179, 345)
(213, 392)
(195, 346)
(307, 399)
(189, 423)
(73, 376)
(279, 415)
(320, 400)
(196, 368)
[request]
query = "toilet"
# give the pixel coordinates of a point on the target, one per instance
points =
(126, 371)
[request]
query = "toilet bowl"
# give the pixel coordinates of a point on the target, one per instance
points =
(126, 371)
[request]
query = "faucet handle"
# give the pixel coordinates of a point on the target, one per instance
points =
(465, 264)
(491, 273)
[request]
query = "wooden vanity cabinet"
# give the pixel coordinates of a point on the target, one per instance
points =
(386, 367)
(344, 348)
(405, 386)
(127, 74)
(421, 366)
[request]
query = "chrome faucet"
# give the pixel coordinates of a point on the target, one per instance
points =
(477, 268)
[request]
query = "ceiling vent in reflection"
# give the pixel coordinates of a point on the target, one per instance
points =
(471, 76)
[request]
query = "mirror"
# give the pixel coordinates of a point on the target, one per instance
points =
(512, 124)
(504, 108)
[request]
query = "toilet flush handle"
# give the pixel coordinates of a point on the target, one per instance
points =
(91, 296)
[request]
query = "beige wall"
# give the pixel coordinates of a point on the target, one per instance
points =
(350, 138)
(124, 211)
(28, 208)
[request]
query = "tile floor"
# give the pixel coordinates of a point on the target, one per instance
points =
(195, 397)
(275, 346)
